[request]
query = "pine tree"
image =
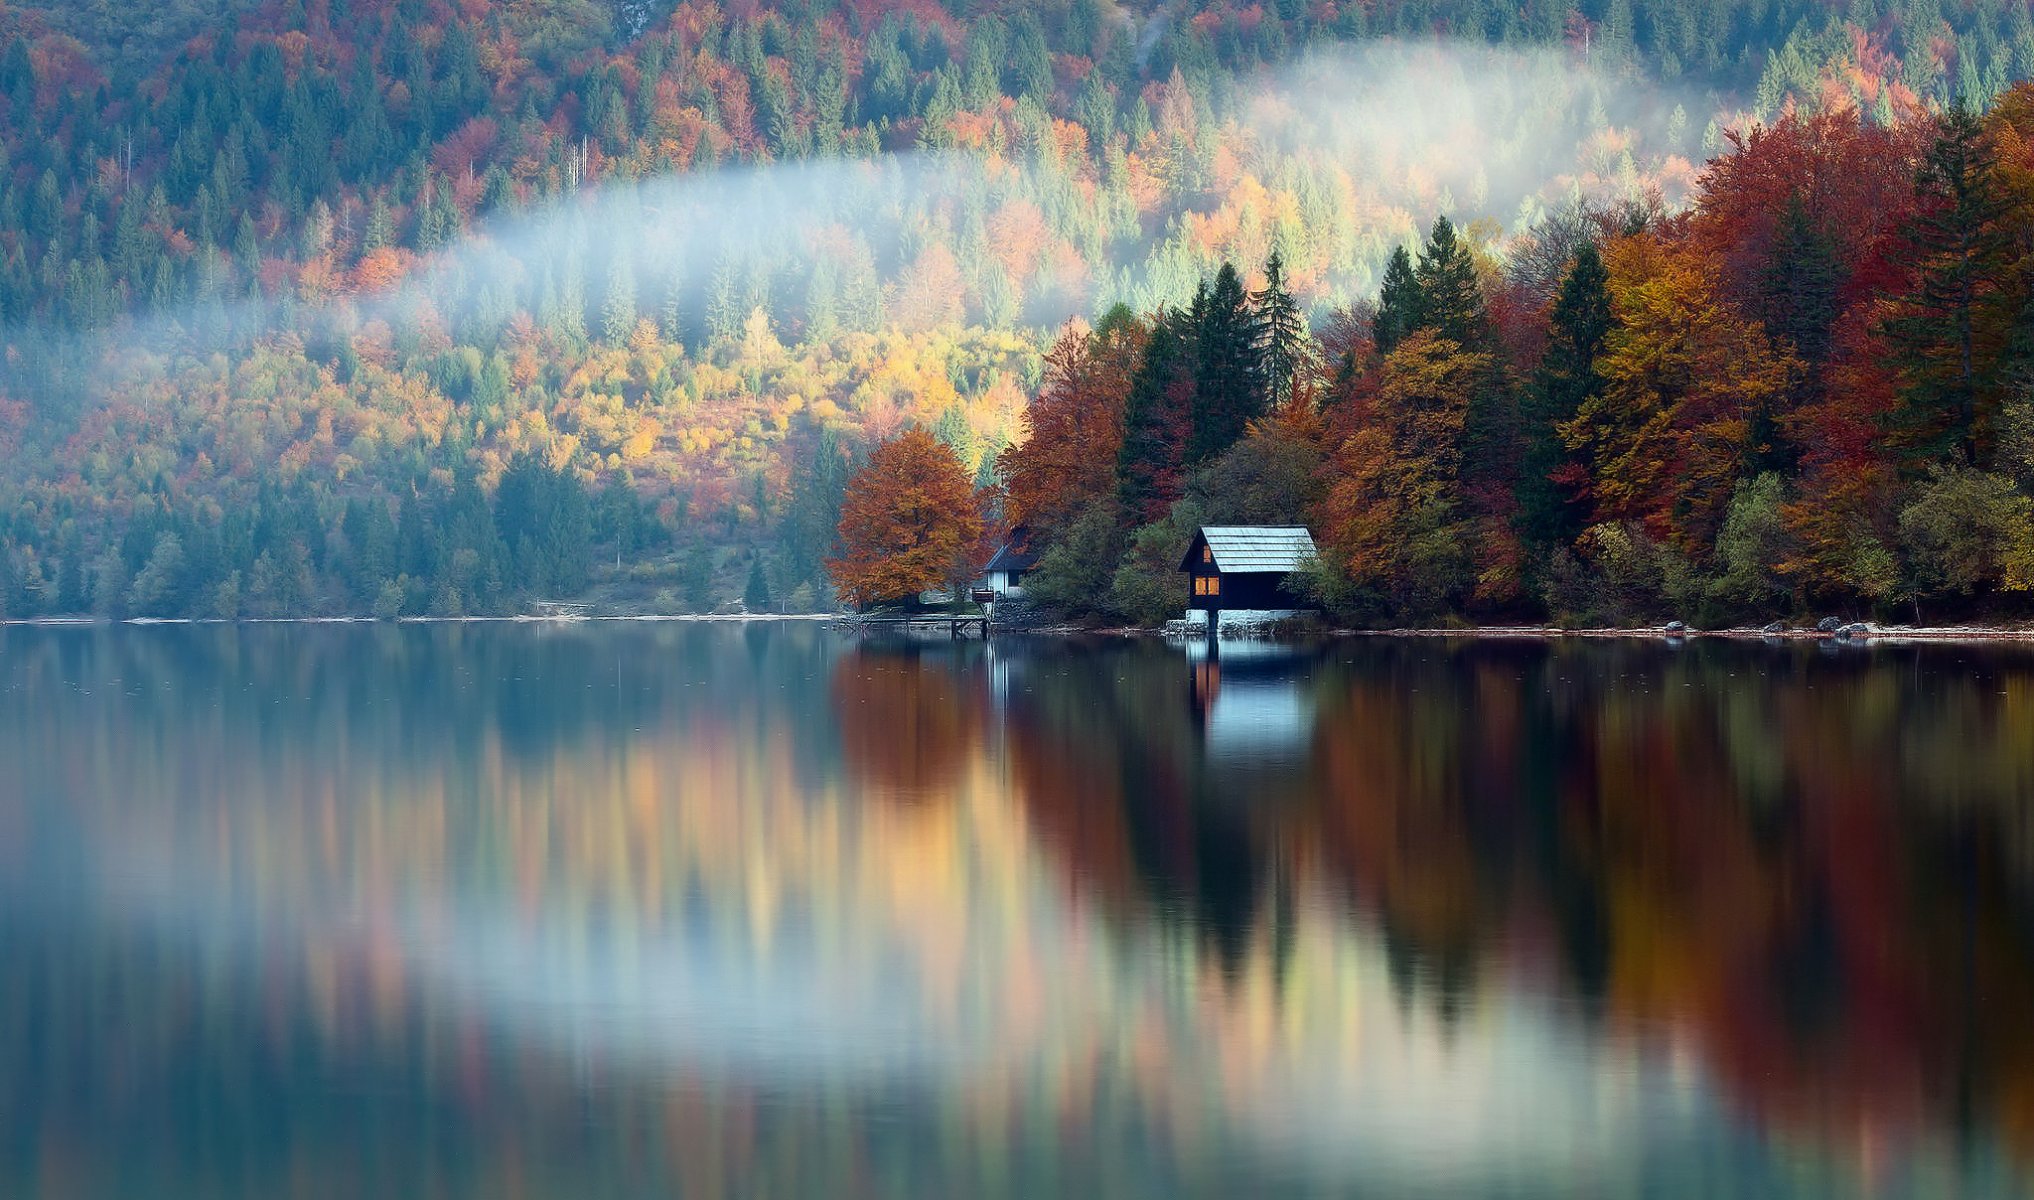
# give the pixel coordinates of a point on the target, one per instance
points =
(1798, 290)
(1548, 512)
(810, 521)
(1150, 466)
(756, 596)
(1944, 329)
(1398, 303)
(1450, 296)
(1228, 374)
(380, 227)
(723, 310)
(618, 313)
(1282, 335)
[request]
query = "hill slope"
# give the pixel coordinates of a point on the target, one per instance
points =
(276, 275)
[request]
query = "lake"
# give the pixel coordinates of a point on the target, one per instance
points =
(657, 909)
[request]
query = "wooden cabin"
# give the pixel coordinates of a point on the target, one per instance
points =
(1241, 572)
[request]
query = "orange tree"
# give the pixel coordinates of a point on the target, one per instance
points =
(910, 521)
(1068, 461)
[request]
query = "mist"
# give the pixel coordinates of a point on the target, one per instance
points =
(1335, 161)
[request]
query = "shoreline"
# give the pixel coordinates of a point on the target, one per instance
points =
(520, 619)
(1877, 634)
(1889, 634)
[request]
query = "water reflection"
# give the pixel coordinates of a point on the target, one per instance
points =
(627, 910)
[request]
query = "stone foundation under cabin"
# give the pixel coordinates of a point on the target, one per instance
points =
(1240, 619)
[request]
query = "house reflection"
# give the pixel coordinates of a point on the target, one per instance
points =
(1253, 710)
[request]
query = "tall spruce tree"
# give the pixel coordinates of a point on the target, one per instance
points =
(1156, 415)
(1228, 373)
(618, 311)
(810, 522)
(1798, 292)
(1450, 296)
(1582, 319)
(1282, 335)
(1398, 303)
(756, 595)
(1945, 330)
(1451, 306)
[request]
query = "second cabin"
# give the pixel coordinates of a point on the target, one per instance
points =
(1241, 573)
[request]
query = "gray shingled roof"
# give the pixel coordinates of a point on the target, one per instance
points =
(1015, 554)
(1247, 548)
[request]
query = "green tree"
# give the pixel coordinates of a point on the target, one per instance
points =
(618, 313)
(1450, 296)
(1228, 371)
(1282, 336)
(1398, 303)
(1549, 513)
(756, 595)
(1945, 329)
(695, 577)
(1800, 304)
(1157, 415)
(543, 517)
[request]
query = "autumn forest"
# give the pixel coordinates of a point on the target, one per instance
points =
(1598, 312)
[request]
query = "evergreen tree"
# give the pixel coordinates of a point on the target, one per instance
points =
(1548, 512)
(695, 576)
(1282, 335)
(810, 522)
(1228, 372)
(1450, 296)
(618, 312)
(543, 517)
(1398, 303)
(1798, 290)
(380, 227)
(1945, 329)
(756, 596)
(1151, 464)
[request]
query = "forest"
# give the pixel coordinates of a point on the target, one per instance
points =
(400, 307)
(1807, 390)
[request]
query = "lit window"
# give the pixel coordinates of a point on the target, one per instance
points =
(1207, 554)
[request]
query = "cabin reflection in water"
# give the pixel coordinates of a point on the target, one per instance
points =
(1250, 705)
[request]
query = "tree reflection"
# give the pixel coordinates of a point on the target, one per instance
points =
(268, 895)
(1814, 870)
(910, 716)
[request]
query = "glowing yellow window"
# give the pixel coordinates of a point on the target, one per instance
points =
(1207, 554)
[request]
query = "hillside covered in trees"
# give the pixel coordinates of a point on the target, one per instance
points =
(409, 306)
(1807, 390)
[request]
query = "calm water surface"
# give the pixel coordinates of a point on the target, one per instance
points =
(678, 909)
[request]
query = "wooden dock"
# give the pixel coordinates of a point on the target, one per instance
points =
(957, 625)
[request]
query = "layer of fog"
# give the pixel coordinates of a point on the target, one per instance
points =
(1373, 143)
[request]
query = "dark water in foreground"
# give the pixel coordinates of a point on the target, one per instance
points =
(647, 910)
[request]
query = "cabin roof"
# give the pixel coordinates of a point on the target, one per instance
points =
(1015, 554)
(1253, 549)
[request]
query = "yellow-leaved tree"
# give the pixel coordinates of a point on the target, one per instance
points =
(1686, 374)
(1395, 515)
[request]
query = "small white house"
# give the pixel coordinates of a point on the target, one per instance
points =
(1004, 576)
